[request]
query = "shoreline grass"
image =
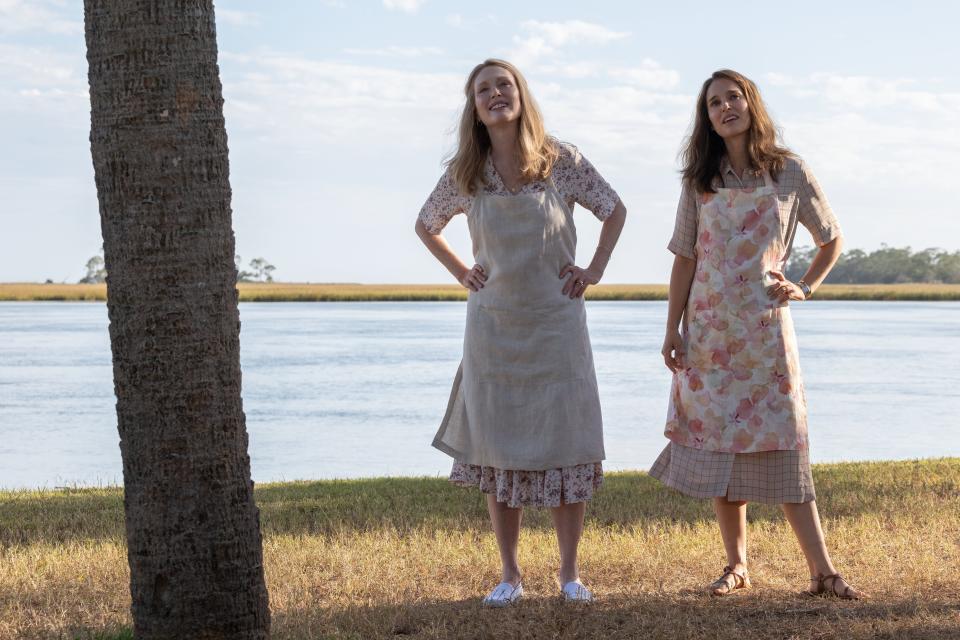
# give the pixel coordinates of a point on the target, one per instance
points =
(411, 557)
(334, 292)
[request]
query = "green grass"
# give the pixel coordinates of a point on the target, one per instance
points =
(328, 507)
(410, 557)
(292, 292)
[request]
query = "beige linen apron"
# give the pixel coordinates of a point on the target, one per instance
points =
(525, 396)
(739, 389)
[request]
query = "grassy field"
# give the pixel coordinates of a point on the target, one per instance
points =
(411, 557)
(293, 292)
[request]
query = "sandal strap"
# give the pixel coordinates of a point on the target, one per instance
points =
(738, 579)
(821, 580)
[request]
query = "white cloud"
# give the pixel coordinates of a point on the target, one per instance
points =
(455, 20)
(407, 6)
(34, 65)
(614, 119)
(39, 15)
(573, 70)
(397, 52)
(561, 33)
(298, 99)
(867, 92)
(650, 74)
(547, 38)
(238, 18)
(302, 101)
(38, 80)
(868, 129)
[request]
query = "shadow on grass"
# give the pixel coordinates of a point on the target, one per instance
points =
(651, 617)
(333, 507)
(122, 634)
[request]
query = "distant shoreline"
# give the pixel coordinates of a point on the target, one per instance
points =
(299, 292)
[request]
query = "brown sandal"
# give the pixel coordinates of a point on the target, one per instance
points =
(721, 586)
(848, 593)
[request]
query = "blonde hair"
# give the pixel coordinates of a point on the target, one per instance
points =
(536, 151)
(704, 148)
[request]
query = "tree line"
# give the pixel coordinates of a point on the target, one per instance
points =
(260, 271)
(886, 265)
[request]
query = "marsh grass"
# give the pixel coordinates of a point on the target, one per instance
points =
(410, 557)
(292, 292)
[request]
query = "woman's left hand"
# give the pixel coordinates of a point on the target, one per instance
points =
(784, 290)
(577, 280)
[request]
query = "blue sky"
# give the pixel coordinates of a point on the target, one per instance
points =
(340, 112)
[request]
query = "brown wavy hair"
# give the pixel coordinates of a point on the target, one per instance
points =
(704, 148)
(536, 150)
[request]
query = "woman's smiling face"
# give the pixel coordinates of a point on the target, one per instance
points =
(727, 108)
(496, 96)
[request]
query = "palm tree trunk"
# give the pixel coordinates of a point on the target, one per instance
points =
(160, 157)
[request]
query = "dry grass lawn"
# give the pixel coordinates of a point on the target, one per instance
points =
(411, 557)
(293, 292)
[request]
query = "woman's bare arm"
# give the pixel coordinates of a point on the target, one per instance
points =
(820, 267)
(823, 262)
(471, 278)
(681, 276)
(578, 279)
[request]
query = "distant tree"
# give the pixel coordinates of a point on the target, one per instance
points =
(96, 271)
(261, 270)
(948, 267)
(886, 265)
(242, 276)
(799, 262)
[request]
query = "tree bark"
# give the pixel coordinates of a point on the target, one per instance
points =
(159, 150)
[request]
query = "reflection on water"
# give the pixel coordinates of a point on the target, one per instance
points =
(358, 389)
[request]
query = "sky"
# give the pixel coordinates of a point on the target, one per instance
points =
(339, 114)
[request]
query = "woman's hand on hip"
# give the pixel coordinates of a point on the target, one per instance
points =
(474, 278)
(672, 350)
(783, 289)
(577, 280)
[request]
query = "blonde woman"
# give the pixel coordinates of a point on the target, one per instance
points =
(737, 413)
(523, 422)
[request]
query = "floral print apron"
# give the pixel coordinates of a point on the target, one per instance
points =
(739, 388)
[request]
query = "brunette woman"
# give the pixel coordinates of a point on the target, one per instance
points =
(737, 419)
(523, 422)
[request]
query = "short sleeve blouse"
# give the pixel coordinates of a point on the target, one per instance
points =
(798, 191)
(573, 175)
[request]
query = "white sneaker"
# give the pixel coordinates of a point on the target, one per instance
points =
(503, 595)
(574, 591)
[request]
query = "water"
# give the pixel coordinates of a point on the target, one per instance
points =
(358, 389)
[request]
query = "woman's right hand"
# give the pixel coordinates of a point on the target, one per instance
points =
(474, 278)
(672, 350)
